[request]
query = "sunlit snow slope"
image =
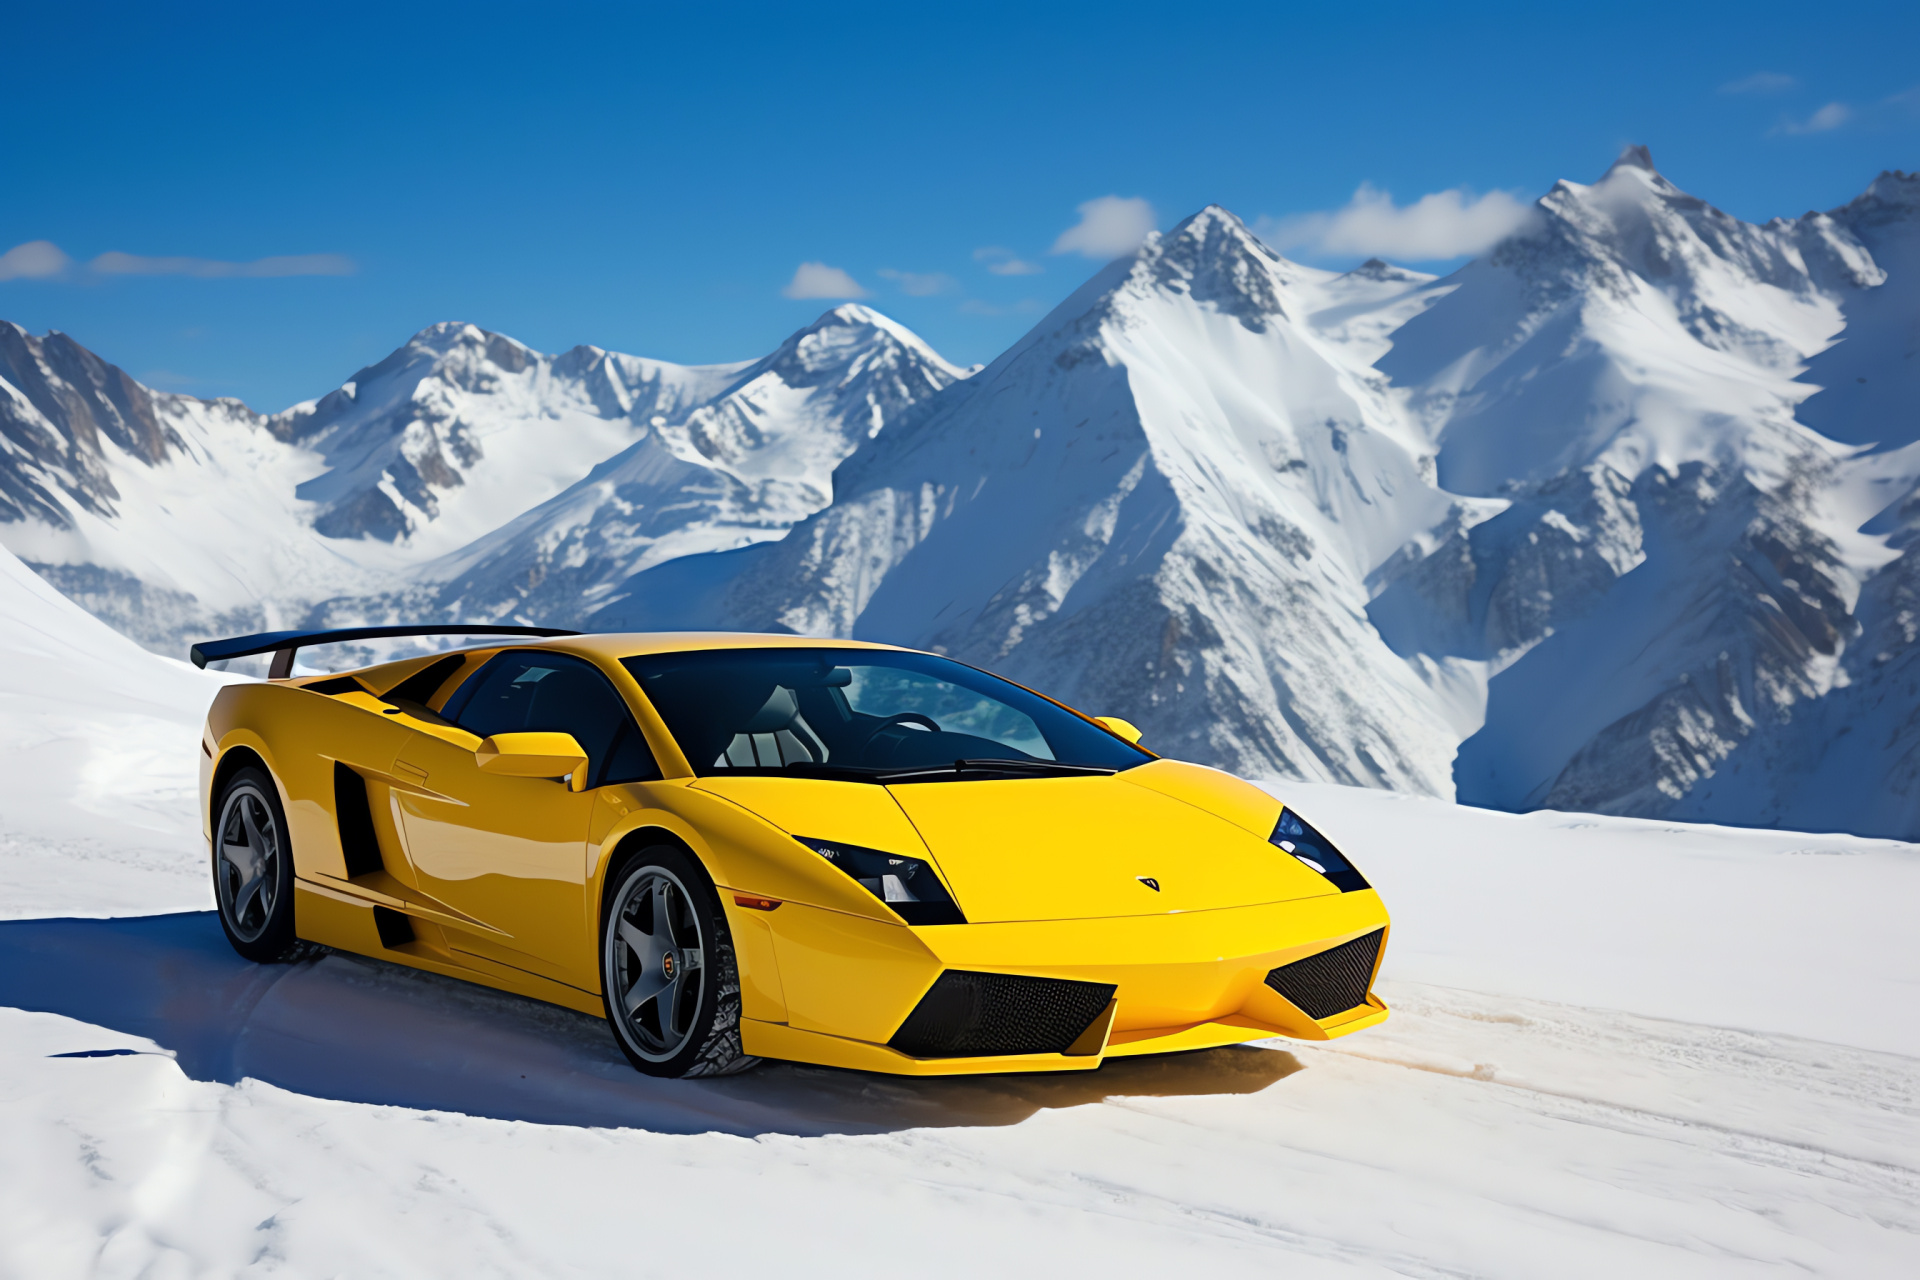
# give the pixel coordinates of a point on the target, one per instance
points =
(98, 743)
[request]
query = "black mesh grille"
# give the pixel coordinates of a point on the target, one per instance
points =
(1333, 981)
(979, 1014)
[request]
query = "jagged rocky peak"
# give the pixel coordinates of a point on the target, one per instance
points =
(1635, 156)
(1892, 197)
(1638, 220)
(848, 339)
(1213, 258)
(81, 395)
(1384, 272)
(60, 407)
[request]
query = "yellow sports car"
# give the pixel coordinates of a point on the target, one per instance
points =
(736, 847)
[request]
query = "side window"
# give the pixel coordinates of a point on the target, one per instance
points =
(532, 692)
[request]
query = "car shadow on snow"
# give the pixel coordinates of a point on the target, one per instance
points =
(362, 1030)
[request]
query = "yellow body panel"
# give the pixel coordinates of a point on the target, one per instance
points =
(500, 877)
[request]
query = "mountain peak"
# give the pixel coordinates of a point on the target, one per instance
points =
(1891, 197)
(1216, 229)
(1634, 156)
(1381, 270)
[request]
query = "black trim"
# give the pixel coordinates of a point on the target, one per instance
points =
(337, 685)
(359, 844)
(967, 1015)
(286, 642)
(1333, 981)
(424, 683)
(396, 930)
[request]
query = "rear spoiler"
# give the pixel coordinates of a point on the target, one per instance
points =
(284, 644)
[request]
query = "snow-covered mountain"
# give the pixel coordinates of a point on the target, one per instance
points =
(160, 513)
(440, 441)
(739, 468)
(1681, 561)
(1560, 510)
(173, 517)
(1165, 502)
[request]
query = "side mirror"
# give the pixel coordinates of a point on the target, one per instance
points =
(534, 755)
(1121, 728)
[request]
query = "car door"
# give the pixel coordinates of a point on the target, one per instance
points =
(511, 853)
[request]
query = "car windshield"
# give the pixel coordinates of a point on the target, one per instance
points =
(867, 714)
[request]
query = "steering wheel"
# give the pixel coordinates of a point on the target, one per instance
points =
(905, 717)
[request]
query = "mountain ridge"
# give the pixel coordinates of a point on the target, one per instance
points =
(1619, 516)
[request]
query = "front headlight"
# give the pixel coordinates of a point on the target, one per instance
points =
(1294, 836)
(908, 885)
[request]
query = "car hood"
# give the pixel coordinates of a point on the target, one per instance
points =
(1076, 848)
(1057, 848)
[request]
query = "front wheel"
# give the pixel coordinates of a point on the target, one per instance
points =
(667, 970)
(253, 869)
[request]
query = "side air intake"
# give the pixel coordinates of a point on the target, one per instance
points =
(969, 1015)
(1332, 981)
(359, 843)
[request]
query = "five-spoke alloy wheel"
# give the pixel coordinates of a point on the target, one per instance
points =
(252, 868)
(667, 970)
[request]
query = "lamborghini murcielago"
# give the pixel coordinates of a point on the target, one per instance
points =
(736, 847)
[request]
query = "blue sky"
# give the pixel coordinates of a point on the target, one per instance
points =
(286, 192)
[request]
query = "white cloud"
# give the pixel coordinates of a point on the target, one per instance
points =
(43, 260)
(1440, 225)
(34, 260)
(1004, 262)
(818, 280)
(1109, 226)
(1825, 120)
(1762, 82)
(116, 263)
(916, 285)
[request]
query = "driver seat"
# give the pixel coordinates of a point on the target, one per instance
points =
(775, 736)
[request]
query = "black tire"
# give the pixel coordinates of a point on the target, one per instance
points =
(253, 868)
(685, 1020)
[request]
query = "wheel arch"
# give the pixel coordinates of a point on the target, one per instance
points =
(627, 846)
(232, 761)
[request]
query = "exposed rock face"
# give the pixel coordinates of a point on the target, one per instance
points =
(60, 407)
(462, 428)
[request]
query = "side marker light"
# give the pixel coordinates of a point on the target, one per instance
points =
(753, 903)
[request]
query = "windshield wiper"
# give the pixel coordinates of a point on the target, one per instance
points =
(935, 773)
(1050, 768)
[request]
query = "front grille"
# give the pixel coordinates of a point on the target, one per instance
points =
(969, 1015)
(1332, 981)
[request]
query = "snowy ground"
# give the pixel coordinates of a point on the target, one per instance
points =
(1618, 1047)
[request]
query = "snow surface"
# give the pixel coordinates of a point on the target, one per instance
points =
(1618, 1047)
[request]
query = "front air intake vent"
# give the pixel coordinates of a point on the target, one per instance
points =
(969, 1015)
(1332, 981)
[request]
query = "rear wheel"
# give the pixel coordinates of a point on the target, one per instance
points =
(667, 971)
(253, 868)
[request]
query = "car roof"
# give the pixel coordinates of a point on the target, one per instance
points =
(614, 645)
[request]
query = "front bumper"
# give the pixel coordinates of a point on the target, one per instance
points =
(1189, 980)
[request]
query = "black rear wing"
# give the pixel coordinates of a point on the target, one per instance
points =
(284, 644)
